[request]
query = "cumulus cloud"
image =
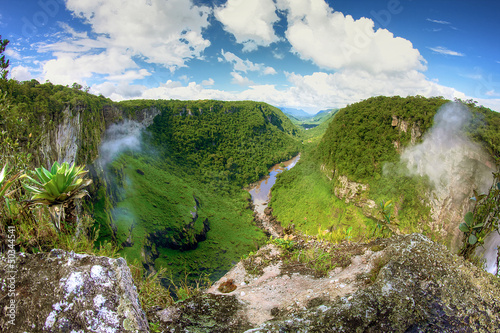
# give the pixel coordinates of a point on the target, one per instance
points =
(251, 22)
(161, 32)
(445, 51)
(20, 73)
(334, 41)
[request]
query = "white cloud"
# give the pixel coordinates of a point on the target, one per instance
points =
(240, 64)
(251, 22)
(245, 66)
(241, 80)
(168, 33)
(11, 53)
(209, 82)
(445, 51)
(118, 91)
(68, 68)
(309, 92)
(492, 93)
(334, 41)
(130, 75)
(438, 21)
(269, 71)
(20, 73)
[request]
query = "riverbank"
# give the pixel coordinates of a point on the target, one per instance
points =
(260, 193)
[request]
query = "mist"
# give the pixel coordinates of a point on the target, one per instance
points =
(119, 138)
(446, 147)
(455, 165)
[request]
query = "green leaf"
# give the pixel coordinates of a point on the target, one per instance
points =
(54, 168)
(472, 239)
(52, 189)
(463, 227)
(469, 218)
(498, 185)
(481, 197)
(2, 173)
(477, 226)
(387, 204)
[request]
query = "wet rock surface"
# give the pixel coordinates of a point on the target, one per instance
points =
(62, 291)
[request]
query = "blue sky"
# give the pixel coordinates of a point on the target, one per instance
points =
(306, 54)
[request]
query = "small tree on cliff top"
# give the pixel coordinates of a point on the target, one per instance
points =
(4, 64)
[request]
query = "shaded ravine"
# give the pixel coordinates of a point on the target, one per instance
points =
(260, 194)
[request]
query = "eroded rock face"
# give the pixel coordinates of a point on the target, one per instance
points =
(421, 288)
(402, 284)
(66, 292)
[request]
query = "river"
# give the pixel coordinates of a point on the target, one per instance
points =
(260, 191)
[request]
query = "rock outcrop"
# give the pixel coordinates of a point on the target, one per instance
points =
(402, 284)
(66, 292)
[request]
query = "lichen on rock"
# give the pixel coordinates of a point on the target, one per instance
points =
(66, 292)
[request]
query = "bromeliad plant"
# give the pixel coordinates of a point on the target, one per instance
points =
(58, 188)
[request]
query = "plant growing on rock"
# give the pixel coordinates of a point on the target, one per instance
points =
(6, 183)
(482, 220)
(58, 188)
(383, 225)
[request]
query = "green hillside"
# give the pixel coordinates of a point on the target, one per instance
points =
(360, 143)
(181, 197)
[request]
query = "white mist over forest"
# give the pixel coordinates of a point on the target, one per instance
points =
(119, 138)
(445, 153)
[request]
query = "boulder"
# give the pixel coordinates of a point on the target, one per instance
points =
(62, 291)
(407, 283)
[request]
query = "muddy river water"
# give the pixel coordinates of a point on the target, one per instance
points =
(260, 191)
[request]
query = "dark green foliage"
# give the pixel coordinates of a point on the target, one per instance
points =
(4, 64)
(482, 220)
(485, 128)
(226, 143)
(38, 108)
(361, 137)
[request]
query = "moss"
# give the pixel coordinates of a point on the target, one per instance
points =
(420, 287)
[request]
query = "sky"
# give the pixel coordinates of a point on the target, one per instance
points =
(305, 54)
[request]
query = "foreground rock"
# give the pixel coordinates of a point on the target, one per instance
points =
(66, 292)
(403, 284)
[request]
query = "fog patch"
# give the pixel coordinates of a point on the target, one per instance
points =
(118, 138)
(446, 147)
(454, 164)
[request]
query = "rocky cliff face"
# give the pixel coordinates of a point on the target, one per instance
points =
(77, 137)
(454, 165)
(402, 284)
(67, 292)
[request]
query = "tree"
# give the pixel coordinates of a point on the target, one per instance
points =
(3, 63)
(58, 189)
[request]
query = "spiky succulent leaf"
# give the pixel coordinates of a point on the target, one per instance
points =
(54, 168)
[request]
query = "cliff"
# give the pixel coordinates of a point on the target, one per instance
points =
(402, 284)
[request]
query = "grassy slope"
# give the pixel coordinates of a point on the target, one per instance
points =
(303, 195)
(208, 155)
(164, 196)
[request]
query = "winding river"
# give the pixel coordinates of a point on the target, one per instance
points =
(260, 191)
